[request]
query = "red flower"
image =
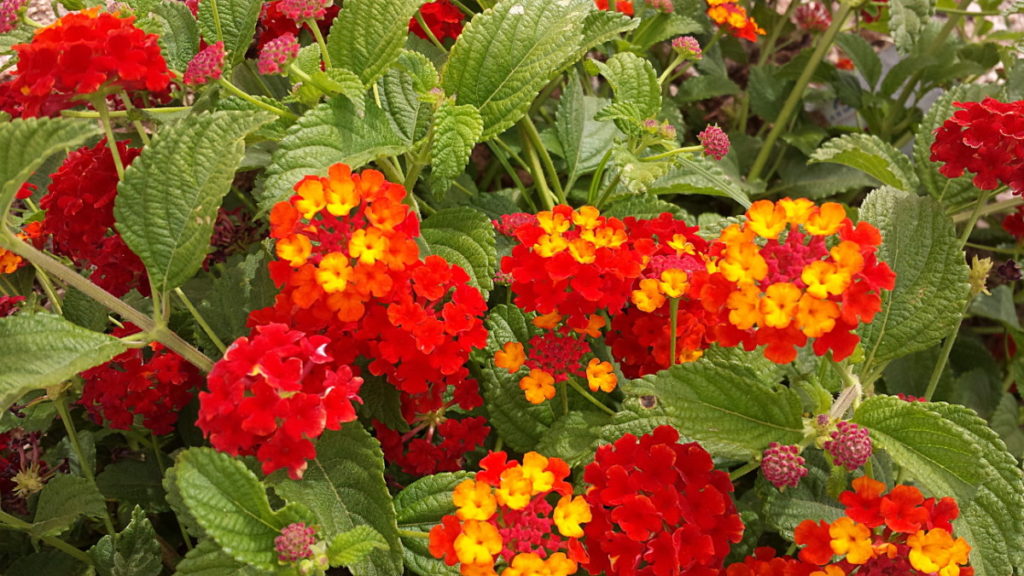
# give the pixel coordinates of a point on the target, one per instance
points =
(9, 305)
(274, 23)
(442, 450)
(154, 388)
(443, 19)
(85, 53)
(902, 509)
(275, 393)
(985, 138)
(1014, 223)
(765, 563)
(658, 508)
(623, 6)
(816, 541)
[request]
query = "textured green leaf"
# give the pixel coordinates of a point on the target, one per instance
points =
(946, 190)
(704, 87)
(19, 35)
(699, 175)
(330, 133)
(208, 559)
(952, 452)
(600, 26)
(863, 55)
(354, 545)
(177, 504)
(48, 561)
(584, 140)
(420, 507)
(644, 207)
(64, 500)
(572, 436)
(907, 20)
(729, 400)
(243, 285)
(920, 245)
(231, 505)
(633, 80)
(344, 487)
(275, 130)
(1006, 421)
(520, 424)
(367, 36)
(506, 54)
(464, 236)
(133, 482)
(638, 415)
(663, 26)
(767, 91)
(457, 129)
(83, 310)
(167, 203)
(26, 144)
(871, 155)
(41, 350)
(400, 95)
(179, 33)
(997, 306)
(818, 181)
(237, 20)
(136, 551)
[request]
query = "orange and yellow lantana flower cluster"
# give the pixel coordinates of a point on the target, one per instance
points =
(503, 520)
(730, 14)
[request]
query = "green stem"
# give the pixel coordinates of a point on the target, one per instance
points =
(100, 103)
(851, 394)
(968, 12)
(595, 180)
(19, 524)
(673, 152)
(590, 397)
(565, 398)
(121, 113)
(389, 168)
(412, 534)
(608, 191)
(294, 70)
(529, 130)
(106, 299)
(203, 324)
(993, 208)
(796, 95)
(215, 12)
(679, 58)
(235, 90)
(975, 215)
(547, 197)
(429, 32)
(673, 325)
(940, 364)
(51, 294)
(57, 396)
(311, 24)
(137, 124)
(743, 470)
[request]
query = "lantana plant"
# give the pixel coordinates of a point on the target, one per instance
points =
(511, 288)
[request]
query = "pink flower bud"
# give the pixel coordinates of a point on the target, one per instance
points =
(9, 14)
(207, 65)
(299, 10)
(850, 445)
(715, 142)
(295, 542)
(783, 465)
(813, 17)
(687, 45)
(277, 54)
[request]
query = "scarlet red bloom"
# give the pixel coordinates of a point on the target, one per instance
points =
(274, 23)
(86, 53)
(985, 138)
(442, 449)
(1014, 223)
(658, 507)
(275, 393)
(623, 6)
(9, 305)
(765, 563)
(443, 19)
(154, 387)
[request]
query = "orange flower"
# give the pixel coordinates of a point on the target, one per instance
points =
(600, 376)
(538, 386)
(851, 539)
(511, 357)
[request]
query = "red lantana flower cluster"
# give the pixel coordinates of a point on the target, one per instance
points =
(79, 218)
(623, 6)
(734, 18)
(777, 281)
(443, 19)
(441, 448)
(273, 394)
(274, 23)
(153, 387)
(985, 138)
(85, 53)
(659, 507)
(504, 517)
(898, 532)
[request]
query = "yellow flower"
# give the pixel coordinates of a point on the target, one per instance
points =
(474, 500)
(816, 317)
(797, 209)
(745, 307)
(824, 278)
(334, 273)
(648, 298)
(848, 257)
(851, 539)
(674, 283)
(550, 244)
(764, 217)
(547, 321)
(743, 263)
(936, 551)
(825, 220)
(535, 470)
(779, 304)
(570, 513)
(311, 197)
(295, 249)
(368, 245)
(600, 376)
(478, 542)
(515, 489)
(587, 217)
(538, 386)
(552, 222)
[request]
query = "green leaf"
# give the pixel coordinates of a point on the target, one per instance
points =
(83, 310)
(26, 144)
(457, 129)
(638, 415)
(920, 245)
(136, 551)
(382, 28)
(243, 285)
(952, 452)
(940, 187)
(19, 35)
(506, 54)
(520, 424)
(179, 33)
(235, 24)
(699, 175)
(231, 505)
(863, 55)
(419, 507)
(330, 133)
(997, 306)
(1006, 422)
(729, 401)
(41, 350)
(584, 140)
(464, 236)
(785, 509)
(663, 26)
(208, 559)
(633, 80)
(133, 482)
(705, 87)
(572, 436)
(401, 96)
(767, 91)
(64, 500)
(353, 546)
(48, 561)
(907, 20)
(344, 487)
(600, 26)
(644, 207)
(818, 181)
(167, 203)
(871, 155)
